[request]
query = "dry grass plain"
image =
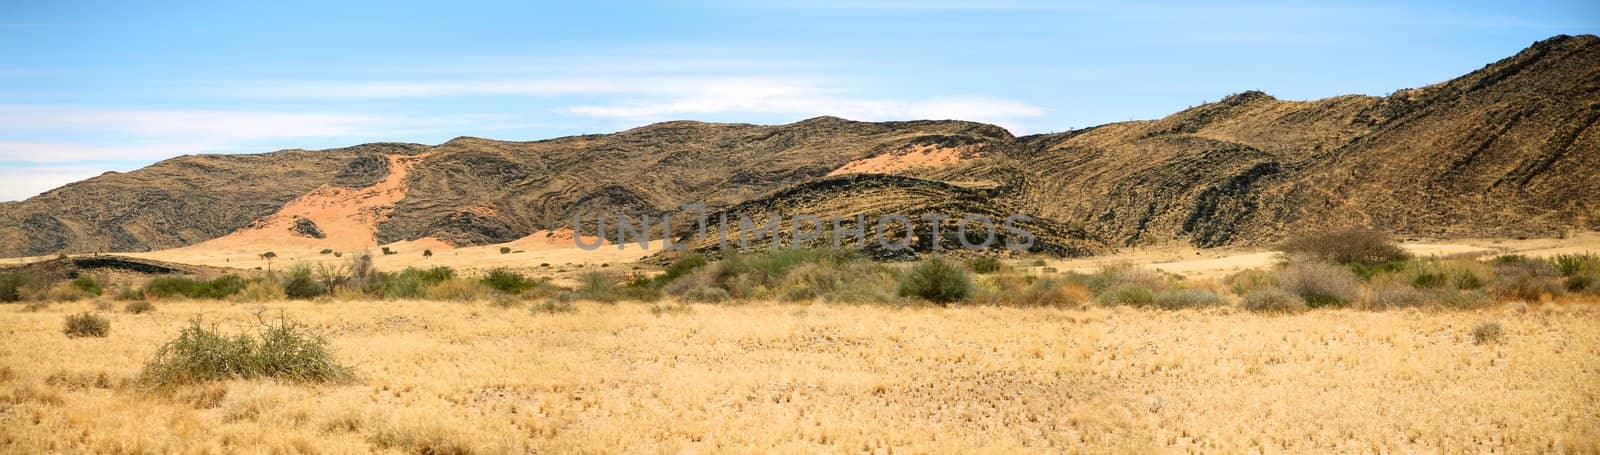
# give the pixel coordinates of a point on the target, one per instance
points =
(438, 377)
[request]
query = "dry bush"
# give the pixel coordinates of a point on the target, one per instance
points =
(87, 325)
(1389, 294)
(705, 294)
(65, 292)
(1273, 300)
(261, 290)
(1487, 332)
(1051, 292)
(1345, 246)
(1319, 283)
(455, 289)
(1527, 279)
(139, 307)
(1118, 275)
(1175, 299)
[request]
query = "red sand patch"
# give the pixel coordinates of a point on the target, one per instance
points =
(347, 217)
(914, 157)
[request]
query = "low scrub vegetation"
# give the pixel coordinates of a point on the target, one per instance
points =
(1349, 269)
(280, 349)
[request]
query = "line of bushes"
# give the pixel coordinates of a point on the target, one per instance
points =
(1315, 272)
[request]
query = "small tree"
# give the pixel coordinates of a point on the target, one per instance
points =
(427, 253)
(269, 256)
(505, 250)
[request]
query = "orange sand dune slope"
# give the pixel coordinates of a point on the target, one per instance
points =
(926, 156)
(346, 217)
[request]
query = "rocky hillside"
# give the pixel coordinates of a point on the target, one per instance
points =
(1507, 150)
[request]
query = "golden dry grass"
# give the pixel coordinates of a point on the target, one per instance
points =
(472, 378)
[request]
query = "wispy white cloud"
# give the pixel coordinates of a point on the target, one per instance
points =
(68, 152)
(193, 124)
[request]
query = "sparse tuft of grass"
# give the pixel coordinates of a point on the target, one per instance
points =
(87, 325)
(554, 305)
(1487, 332)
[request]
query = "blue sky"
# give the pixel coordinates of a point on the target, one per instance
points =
(87, 87)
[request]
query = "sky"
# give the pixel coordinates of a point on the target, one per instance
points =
(89, 87)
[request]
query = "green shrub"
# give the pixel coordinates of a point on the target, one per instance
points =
(1345, 246)
(181, 287)
(1319, 284)
(984, 264)
(509, 282)
(301, 283)
(88, 285)
(14, 285)
(1584, 282)
(326, 251)
(505, 250)
(139, 307)
(639, 290)
(283, 350)
(1174, 299)
(1273, 300)
(411, 283)
(1487, 332)
(936, 280)
(683, 267)
(1574, 264)
(1127, 294)
(597, 286)
(87, 325)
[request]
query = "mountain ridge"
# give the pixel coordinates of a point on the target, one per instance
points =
(1504, 150)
